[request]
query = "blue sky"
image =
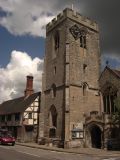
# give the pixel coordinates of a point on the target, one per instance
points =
(22, 37)
(24, 29)
(32, 45)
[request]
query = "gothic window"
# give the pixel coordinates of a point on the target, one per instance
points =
(114, 98)
(108, 104)
(56, 40)
(53, 90)
(75, 31)
(52, 121)
(79, 33)
(109, 96)
(55, 70)
(84, 68)
(85, 85)
(112, 104)
(104, 102)
(83, 39)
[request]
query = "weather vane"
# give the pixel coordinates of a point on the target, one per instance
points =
(107, 63)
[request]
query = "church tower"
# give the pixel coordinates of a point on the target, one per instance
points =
(71, 72)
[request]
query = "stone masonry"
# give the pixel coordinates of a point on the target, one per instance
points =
(70, 80)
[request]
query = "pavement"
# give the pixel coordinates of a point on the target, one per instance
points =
(85, 151)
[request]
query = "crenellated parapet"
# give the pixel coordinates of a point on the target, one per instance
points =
(75, 16)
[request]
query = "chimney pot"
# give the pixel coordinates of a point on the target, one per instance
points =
(29, 86)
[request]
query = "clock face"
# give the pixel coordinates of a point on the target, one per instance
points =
(75, 31)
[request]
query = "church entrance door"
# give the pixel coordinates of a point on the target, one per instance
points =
(95, 136)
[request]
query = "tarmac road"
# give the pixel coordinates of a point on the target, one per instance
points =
(26, 153)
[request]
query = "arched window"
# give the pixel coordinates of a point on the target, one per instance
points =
(109, 96)
(56, 40)
(84, 68)
(83, 39)
(52, 121)
(85, 86)
(53, 90)
(55, 70)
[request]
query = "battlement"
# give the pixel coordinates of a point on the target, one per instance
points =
(75, 16)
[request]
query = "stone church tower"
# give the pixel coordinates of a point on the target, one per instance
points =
(70, 79)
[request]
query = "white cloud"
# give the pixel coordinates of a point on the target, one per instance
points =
(27, 16)
(31, 16)
(13, 77)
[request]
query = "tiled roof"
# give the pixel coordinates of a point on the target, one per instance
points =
(17, 105)
(113, 71)
(117, 72)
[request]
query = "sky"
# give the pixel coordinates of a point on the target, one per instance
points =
(22, 38)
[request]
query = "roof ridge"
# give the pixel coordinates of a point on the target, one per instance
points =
(117, 72)
(18, 104)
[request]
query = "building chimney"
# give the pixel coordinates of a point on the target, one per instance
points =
(29, 86)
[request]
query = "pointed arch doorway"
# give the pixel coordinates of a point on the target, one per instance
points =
(96, 135)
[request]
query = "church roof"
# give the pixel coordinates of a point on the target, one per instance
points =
(113, 71)
(17, 105)
(117, 72)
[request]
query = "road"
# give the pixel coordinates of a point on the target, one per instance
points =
(26, 153)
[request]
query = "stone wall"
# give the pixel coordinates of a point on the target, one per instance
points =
(108, 76)
(64, 68)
